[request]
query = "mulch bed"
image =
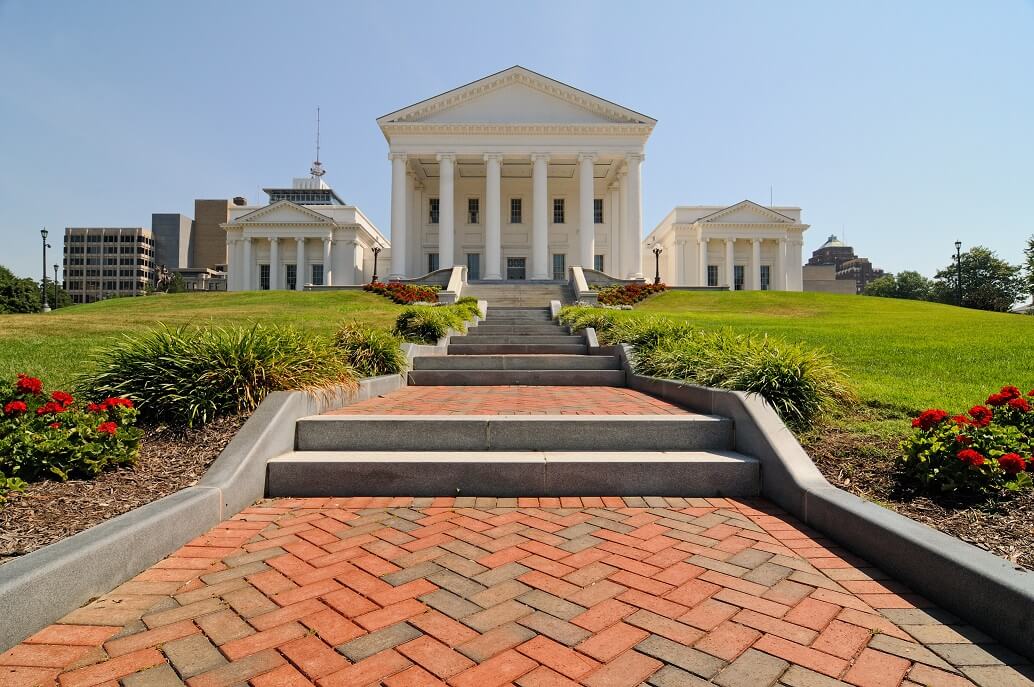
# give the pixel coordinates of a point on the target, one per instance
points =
(866, 467)
(169, 461)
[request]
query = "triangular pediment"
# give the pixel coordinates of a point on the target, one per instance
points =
(747, 212)
(284, 212)
(516, 96)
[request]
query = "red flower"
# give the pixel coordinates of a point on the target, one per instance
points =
(961, 420)
(115, 402)
(28, 385)
(1019, 404)
(108, 428)
(62, 397)
(1009, 392)
(971, 457)
(997, 399)
(929, 419)
(981, 416)
(1012, 463)
(96, 407)
(50, 407)
(15, 408)
(54, 425)
(963, 439)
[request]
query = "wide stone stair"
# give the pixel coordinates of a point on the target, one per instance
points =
(518, 293)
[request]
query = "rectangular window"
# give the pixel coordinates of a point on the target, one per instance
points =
(432, 204)
(432, 262)
(597, 211)
(473, 210)
(712, 275)
(766, 277)
(558, 211)
(317, 275)
(515, 211)
(473, 266)
(516, 269)
(559, 266)
(737, 277)
(597, 263)
(291, 276)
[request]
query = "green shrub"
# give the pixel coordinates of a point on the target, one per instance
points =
(644, 332)
(370, 351)
(9, 484)
(466, 307)
(427, 324)
(54, 435)
(188, 376)
(578, 318)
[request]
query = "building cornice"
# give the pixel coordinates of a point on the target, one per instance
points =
(516, 129)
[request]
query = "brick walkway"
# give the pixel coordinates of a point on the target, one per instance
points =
(532, 592)
(512, 400)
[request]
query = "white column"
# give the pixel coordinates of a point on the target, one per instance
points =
(780, 266)
(702, 247)
(446, 211)
(635, 212)
(493, 237)
(232, 265)
(540, 217)
(730, 262)
(755, 264)
(586, 224)
(299, 264)
(328, 269)
(794, 275)
(274, 264)
(398, 215)
(626, 268)
(415, 229)
(613, 265)
(246, 264)
(680, 264)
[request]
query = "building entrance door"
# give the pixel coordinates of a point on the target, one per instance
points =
(515, 268)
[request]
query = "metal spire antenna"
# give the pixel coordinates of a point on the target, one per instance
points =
(317, 168)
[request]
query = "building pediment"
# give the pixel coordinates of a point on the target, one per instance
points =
(746, 212)
(284, 212)
(515, 97)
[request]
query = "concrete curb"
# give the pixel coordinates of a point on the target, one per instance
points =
(979, 587)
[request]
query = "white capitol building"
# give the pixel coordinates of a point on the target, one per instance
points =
(515, 177)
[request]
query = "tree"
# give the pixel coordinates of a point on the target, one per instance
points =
(1028, 266)
(907, 284)
(18, 294)
(988, 282)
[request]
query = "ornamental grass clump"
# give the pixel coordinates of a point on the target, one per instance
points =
(48, 436)
(427, 324)
(984, 451)
(370, 351)
(188, 376)
(577, 318)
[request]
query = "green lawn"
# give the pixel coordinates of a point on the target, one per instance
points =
(903, 354)
(55, 346)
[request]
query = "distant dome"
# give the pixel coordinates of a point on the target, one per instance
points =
(833, 242)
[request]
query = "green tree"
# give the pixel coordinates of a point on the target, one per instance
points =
(907, 284)
(988, 282)
(886, 287)
(18, 294)
(1028, 265)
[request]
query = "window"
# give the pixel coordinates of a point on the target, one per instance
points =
(264, 277)
(317, 275)
(473, 266)
(712, 275)
(515, 268)
(291, 277)
(473, 210)
(737, 277)
(432, 204)
(559, 266)
(432, 262)
(558, 211)
(766, 277)
(515, 211)
(597, 263)
(597, 211)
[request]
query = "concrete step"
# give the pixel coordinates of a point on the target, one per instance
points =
(518, 321)
(516, 362)
(517, 377)
(522, 473)
(471, 347)
(545, 329)
(513, 433)
(519, 339)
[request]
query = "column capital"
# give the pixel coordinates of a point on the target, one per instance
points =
(622, 173)
(756, 241)
(492, 156)
(635, 157)
(246, 239)
(274, 239)
(398, 156)
(445, 156)
(299, 239)
(535, 157)
(592, 157)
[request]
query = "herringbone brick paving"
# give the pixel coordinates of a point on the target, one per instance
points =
(513, 400)
(535, 592)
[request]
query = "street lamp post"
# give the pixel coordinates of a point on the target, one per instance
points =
(657, 250)
(376, 251)
(46, 306)
(958, 273)
(55, 285)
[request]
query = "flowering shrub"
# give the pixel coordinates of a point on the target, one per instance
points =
(404, 294)
(983, 451)
(627, 294)
(48, 436)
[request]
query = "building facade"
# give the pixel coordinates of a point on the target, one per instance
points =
(173, 237)
(107, 262)
(305, 235)
(850, 271)
(209, 238)
(745, 246)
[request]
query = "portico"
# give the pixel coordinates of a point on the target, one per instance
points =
(516, 176)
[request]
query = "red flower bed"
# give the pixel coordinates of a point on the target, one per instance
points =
(404, 294)
(987, 450)
(627, 294)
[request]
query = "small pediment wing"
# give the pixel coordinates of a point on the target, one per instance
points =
(747, 212)
(284, 212)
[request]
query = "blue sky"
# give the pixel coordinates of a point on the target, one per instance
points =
(907, 124)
